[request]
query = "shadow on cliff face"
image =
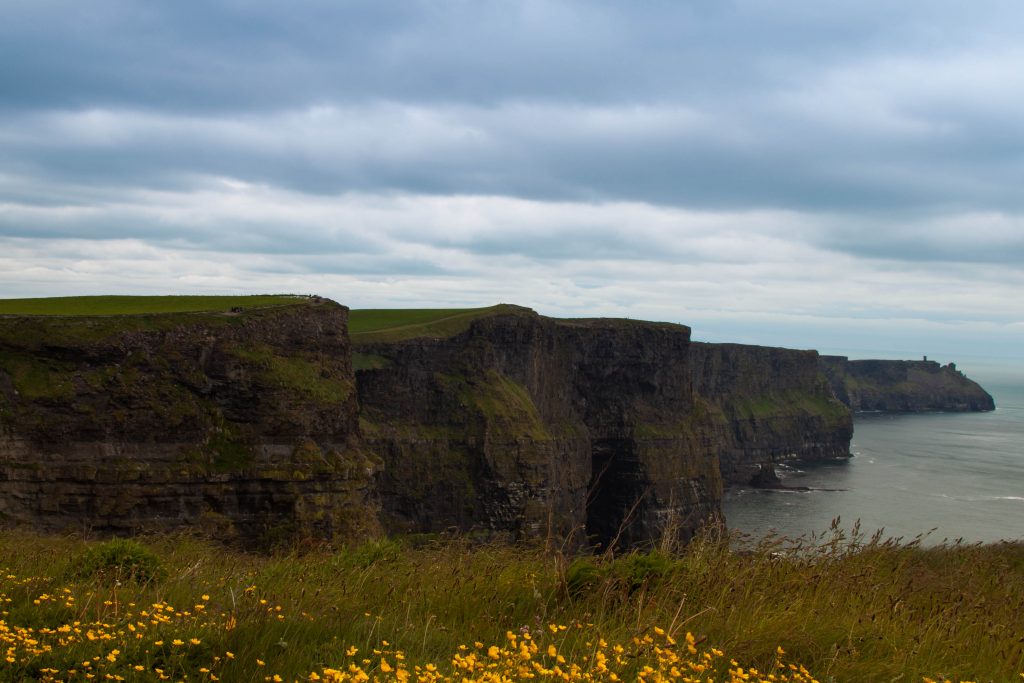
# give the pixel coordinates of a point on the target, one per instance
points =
(616, 496)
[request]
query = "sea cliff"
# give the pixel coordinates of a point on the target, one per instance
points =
(582, 429)
(266, 424)
(768, 405)
(903, 386)
(240, 424)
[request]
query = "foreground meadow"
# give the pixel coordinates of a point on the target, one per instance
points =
(836, 610)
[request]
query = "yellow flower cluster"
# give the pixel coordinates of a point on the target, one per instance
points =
(652, 657)
(162, 640)
(66, 634)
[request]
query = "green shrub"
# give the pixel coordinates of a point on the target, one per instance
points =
(122, 560)
(636, 569)
(582, 576)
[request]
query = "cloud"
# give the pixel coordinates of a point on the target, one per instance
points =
(709, 105)
(705, 162)
(632, 255)
(661, 154)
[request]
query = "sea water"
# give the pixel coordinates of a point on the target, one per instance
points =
(942, 475)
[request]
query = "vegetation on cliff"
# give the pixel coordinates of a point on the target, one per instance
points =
(173, 608)
(241, 423)
(384, 325)
(138, 305)
(903, 386)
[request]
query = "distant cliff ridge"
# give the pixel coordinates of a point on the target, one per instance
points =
(903, 386)
(768, 405)
(615, 429)
(293, 417)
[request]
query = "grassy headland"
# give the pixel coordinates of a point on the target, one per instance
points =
(395, 324)
(136, 305)
(846, 610)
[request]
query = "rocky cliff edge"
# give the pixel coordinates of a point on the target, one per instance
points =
(276, 423)
(241, 424)
(903, 386)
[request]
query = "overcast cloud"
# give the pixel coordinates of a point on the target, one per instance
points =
(815, 174)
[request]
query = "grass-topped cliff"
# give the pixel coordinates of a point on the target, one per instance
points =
(516, 409)
(136, 305)
(903, 386)
(397, 324)
(243, 414)
(232, 415)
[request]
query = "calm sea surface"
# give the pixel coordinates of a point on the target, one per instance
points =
(959, 474)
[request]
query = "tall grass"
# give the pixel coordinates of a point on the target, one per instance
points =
(848, 608)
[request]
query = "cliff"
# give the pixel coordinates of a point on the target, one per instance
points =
(511, 422)
(274, 423)
(239, 424)
(768, 405)
(903, 386)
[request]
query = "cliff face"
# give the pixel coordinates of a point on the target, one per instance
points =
(903, 386)
(242, 425)
(252, 426)
(538, 428)
(768, 405)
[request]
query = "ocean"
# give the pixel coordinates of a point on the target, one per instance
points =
(944, 476)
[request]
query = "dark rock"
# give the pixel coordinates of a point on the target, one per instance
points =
(903, 386)
(767, 405)
(766, 477)
(241, 426)
(541, 428)
(252, 426)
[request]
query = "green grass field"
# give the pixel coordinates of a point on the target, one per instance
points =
(849, 610)
(395, 324)
(134, 305)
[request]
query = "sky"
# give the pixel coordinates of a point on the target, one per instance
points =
(806, 173)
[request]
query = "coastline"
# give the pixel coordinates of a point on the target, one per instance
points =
(940, 475)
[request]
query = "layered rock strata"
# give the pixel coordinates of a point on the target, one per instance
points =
(767, 405)
(242, 425)
(253, 426)
(584, 430)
